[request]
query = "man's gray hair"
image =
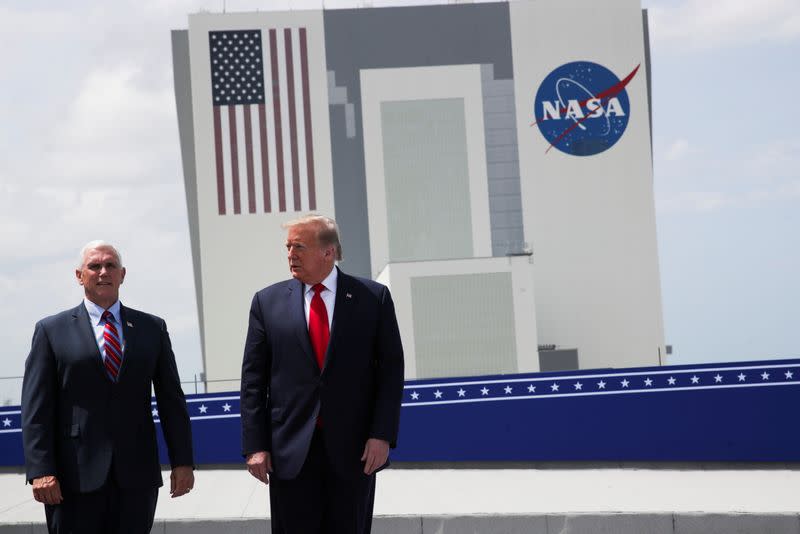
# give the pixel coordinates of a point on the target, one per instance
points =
(327, 230)
(97, 243)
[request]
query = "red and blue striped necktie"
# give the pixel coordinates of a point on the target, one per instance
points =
(112, 348)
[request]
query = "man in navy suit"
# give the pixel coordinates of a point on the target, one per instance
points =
(87, 420)
(322, 381)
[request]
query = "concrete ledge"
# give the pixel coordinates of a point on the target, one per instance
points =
(629, 523)
(736, 523)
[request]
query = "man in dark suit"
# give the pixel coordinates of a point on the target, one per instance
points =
(87, 420)
(322, 381)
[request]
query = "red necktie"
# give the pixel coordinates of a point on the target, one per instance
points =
(112, 348)
(318, 328)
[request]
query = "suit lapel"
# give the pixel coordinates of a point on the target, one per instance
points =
(297, 317)
(87, 338)
(129, 336)
(341, 312)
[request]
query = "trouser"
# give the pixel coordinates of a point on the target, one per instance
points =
(319, 500)
(109, 510)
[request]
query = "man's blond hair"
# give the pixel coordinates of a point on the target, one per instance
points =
(327, 230)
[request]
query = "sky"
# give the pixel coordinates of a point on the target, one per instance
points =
(90, 150)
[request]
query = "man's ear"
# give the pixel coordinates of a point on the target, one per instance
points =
(78, 276)
(123, 275)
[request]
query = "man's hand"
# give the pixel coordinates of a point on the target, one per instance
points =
(47, 490)
(376, 451)
(181, 480)
(259, 464)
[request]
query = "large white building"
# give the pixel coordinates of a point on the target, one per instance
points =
(491, 163)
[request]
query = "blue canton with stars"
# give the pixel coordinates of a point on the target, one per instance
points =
(237, 69)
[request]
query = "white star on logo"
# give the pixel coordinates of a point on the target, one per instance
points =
(601, 385)
(437, 394)
(624, 383)
(484, 390)
(508, 390)
(414, 395)
(788, 374)
(203, 408)
(718, 378)
(155, 412)
(554, 387)
(531, 388)
(578, 386)
(671, 381)
(742, 376)
(765, 376)
(226, 407)
(6, 422)
(461, 392)
(648, 382)
(695, 379)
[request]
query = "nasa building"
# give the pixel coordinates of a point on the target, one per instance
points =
(491, 163)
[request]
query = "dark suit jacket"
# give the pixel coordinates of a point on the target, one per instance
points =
(75, 420)
(357, 394)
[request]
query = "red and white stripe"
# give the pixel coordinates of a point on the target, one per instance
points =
(264, 152)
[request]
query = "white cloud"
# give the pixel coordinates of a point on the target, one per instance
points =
(677, 150)
(692, 201)
(701, 24)
(116, 130)
(753, 177)
(776, 160)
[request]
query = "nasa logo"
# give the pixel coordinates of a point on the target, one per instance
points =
(582, 108)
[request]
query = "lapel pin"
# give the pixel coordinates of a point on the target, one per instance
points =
(348, 295)
(130, 324)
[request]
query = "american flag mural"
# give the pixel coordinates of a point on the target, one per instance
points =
(263, 147)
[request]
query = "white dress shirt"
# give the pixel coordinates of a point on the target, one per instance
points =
(328, 295)
(95, 318)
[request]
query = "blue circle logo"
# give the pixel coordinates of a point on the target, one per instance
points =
(582, 108)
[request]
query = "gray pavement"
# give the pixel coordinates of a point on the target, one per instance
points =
(532, 500)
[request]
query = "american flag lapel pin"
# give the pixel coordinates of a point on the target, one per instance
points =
(348, 295)
(130, 324)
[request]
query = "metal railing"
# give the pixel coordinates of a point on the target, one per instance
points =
(11, 387)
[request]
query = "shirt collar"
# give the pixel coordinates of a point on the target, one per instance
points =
(329, 282)
(96, 312)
